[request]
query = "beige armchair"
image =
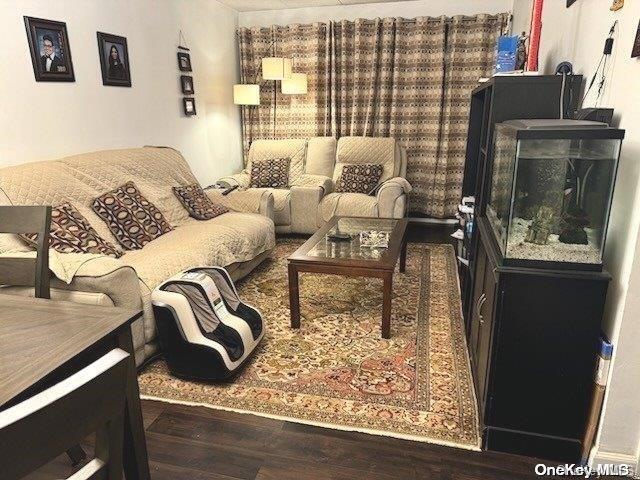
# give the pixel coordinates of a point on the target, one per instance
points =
(316, 165)
(294, 208)
(390, 199)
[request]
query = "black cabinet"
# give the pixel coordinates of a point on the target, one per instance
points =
(496, 100)
(533, 338)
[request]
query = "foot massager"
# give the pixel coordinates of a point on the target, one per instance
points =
(206, 332)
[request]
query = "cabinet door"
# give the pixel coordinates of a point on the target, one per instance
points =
(478, 286)
(486, 310)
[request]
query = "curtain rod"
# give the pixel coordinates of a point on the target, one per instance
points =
(401, 19)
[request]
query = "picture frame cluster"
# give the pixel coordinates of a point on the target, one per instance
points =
(186, 82)
(50, 51)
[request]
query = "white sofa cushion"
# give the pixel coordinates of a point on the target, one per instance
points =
(348, 205)
(229, 238)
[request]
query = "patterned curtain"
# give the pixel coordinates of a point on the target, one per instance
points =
(469, 56)
(278, 115)
(406, 78)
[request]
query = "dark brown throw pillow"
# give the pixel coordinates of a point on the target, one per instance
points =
(197, 203)
(71, 233)
(132, 219)
(361, 178)
(272, 173)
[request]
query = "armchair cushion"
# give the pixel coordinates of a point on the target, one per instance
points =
(197, 203)
(389, 202)
(348, 205)
(271, 173)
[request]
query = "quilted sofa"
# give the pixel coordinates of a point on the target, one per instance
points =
(315, 167)
(239, 239)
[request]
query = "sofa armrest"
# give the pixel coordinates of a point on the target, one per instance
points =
(308, 180)
(305, 202)
(241, 179)
(392, 197)
(251, 200)
(119, 283)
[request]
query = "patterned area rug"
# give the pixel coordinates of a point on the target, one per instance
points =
(337, 371)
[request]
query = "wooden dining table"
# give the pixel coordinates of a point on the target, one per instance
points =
(44, 341)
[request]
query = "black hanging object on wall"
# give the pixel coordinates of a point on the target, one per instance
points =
(564, 68)
(570, 2)
(602, 65)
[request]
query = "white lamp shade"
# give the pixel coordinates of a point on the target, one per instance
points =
(295, 85)
(276, 68)
(246, 94)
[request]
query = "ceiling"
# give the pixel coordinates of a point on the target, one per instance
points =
(252, 5)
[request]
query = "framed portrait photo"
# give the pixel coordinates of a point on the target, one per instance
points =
(50, 50)
(184, 62)
(114, 60)
(189, 105)
(186, 82)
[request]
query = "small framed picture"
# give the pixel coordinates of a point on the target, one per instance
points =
(184, 62)
(189, 105)
(50, 51)
(186, 81)
(114, 60)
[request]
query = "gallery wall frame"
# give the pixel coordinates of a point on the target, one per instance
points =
(184, 62)
(50, 50)
(189, 105)
(186, 83)
(114, 60)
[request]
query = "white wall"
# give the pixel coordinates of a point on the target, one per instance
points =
(41, 120)
(521, 21)
(407, 9)
(577, 34)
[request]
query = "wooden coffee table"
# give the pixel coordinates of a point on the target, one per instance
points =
(320, 255)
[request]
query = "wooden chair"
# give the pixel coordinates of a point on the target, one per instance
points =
(26, 271)
(34, 432)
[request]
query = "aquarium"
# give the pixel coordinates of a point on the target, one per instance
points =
(551, 189)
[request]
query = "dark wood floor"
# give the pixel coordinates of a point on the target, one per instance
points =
(196, 443)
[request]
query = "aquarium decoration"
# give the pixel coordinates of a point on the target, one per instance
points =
(573, 227)
(540, 227)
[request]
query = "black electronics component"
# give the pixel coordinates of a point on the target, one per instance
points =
(604, 115)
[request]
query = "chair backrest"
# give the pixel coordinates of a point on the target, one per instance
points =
(321, 156)
(293, 148)
(380, 150)
(34, 432)
(27, 271)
